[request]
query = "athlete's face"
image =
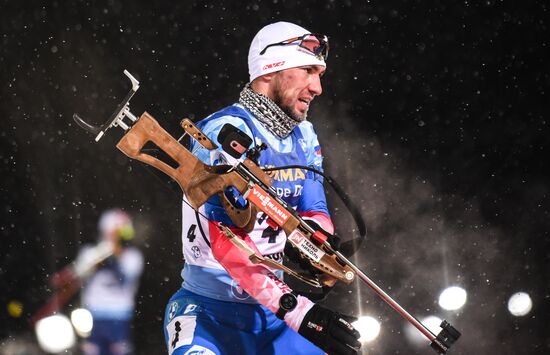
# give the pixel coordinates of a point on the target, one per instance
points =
(293, 89)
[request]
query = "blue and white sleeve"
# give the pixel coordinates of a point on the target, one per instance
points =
(313, 197)
(212, 128)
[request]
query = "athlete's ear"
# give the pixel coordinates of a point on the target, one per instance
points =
(262, 84)
(269, 77)
(263, 80)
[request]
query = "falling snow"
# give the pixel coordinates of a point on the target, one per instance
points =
(433, 118)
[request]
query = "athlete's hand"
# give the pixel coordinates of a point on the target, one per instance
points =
(331, 331)
(332, 239)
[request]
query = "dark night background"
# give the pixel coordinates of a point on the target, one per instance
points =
(434, 117)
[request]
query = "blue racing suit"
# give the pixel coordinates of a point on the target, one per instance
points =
(226, 306)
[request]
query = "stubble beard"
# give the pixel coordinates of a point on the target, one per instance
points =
(278, 99)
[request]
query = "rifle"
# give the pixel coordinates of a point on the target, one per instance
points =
(199, 182)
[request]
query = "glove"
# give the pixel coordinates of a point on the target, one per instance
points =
(330, 331)
(333, 239)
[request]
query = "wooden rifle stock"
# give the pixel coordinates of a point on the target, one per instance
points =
(199, 182)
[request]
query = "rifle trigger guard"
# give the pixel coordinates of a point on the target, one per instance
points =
(242, 218)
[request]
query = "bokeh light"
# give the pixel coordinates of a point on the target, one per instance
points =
(14, 308)
(520, 304)
(368, 327)
(55, 333)
(452, 298)
(416, 337)
(83, 322)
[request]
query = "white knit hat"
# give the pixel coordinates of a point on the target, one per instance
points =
(277, 58)
(112, 220)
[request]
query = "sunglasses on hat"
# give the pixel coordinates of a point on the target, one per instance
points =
(314, 43)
